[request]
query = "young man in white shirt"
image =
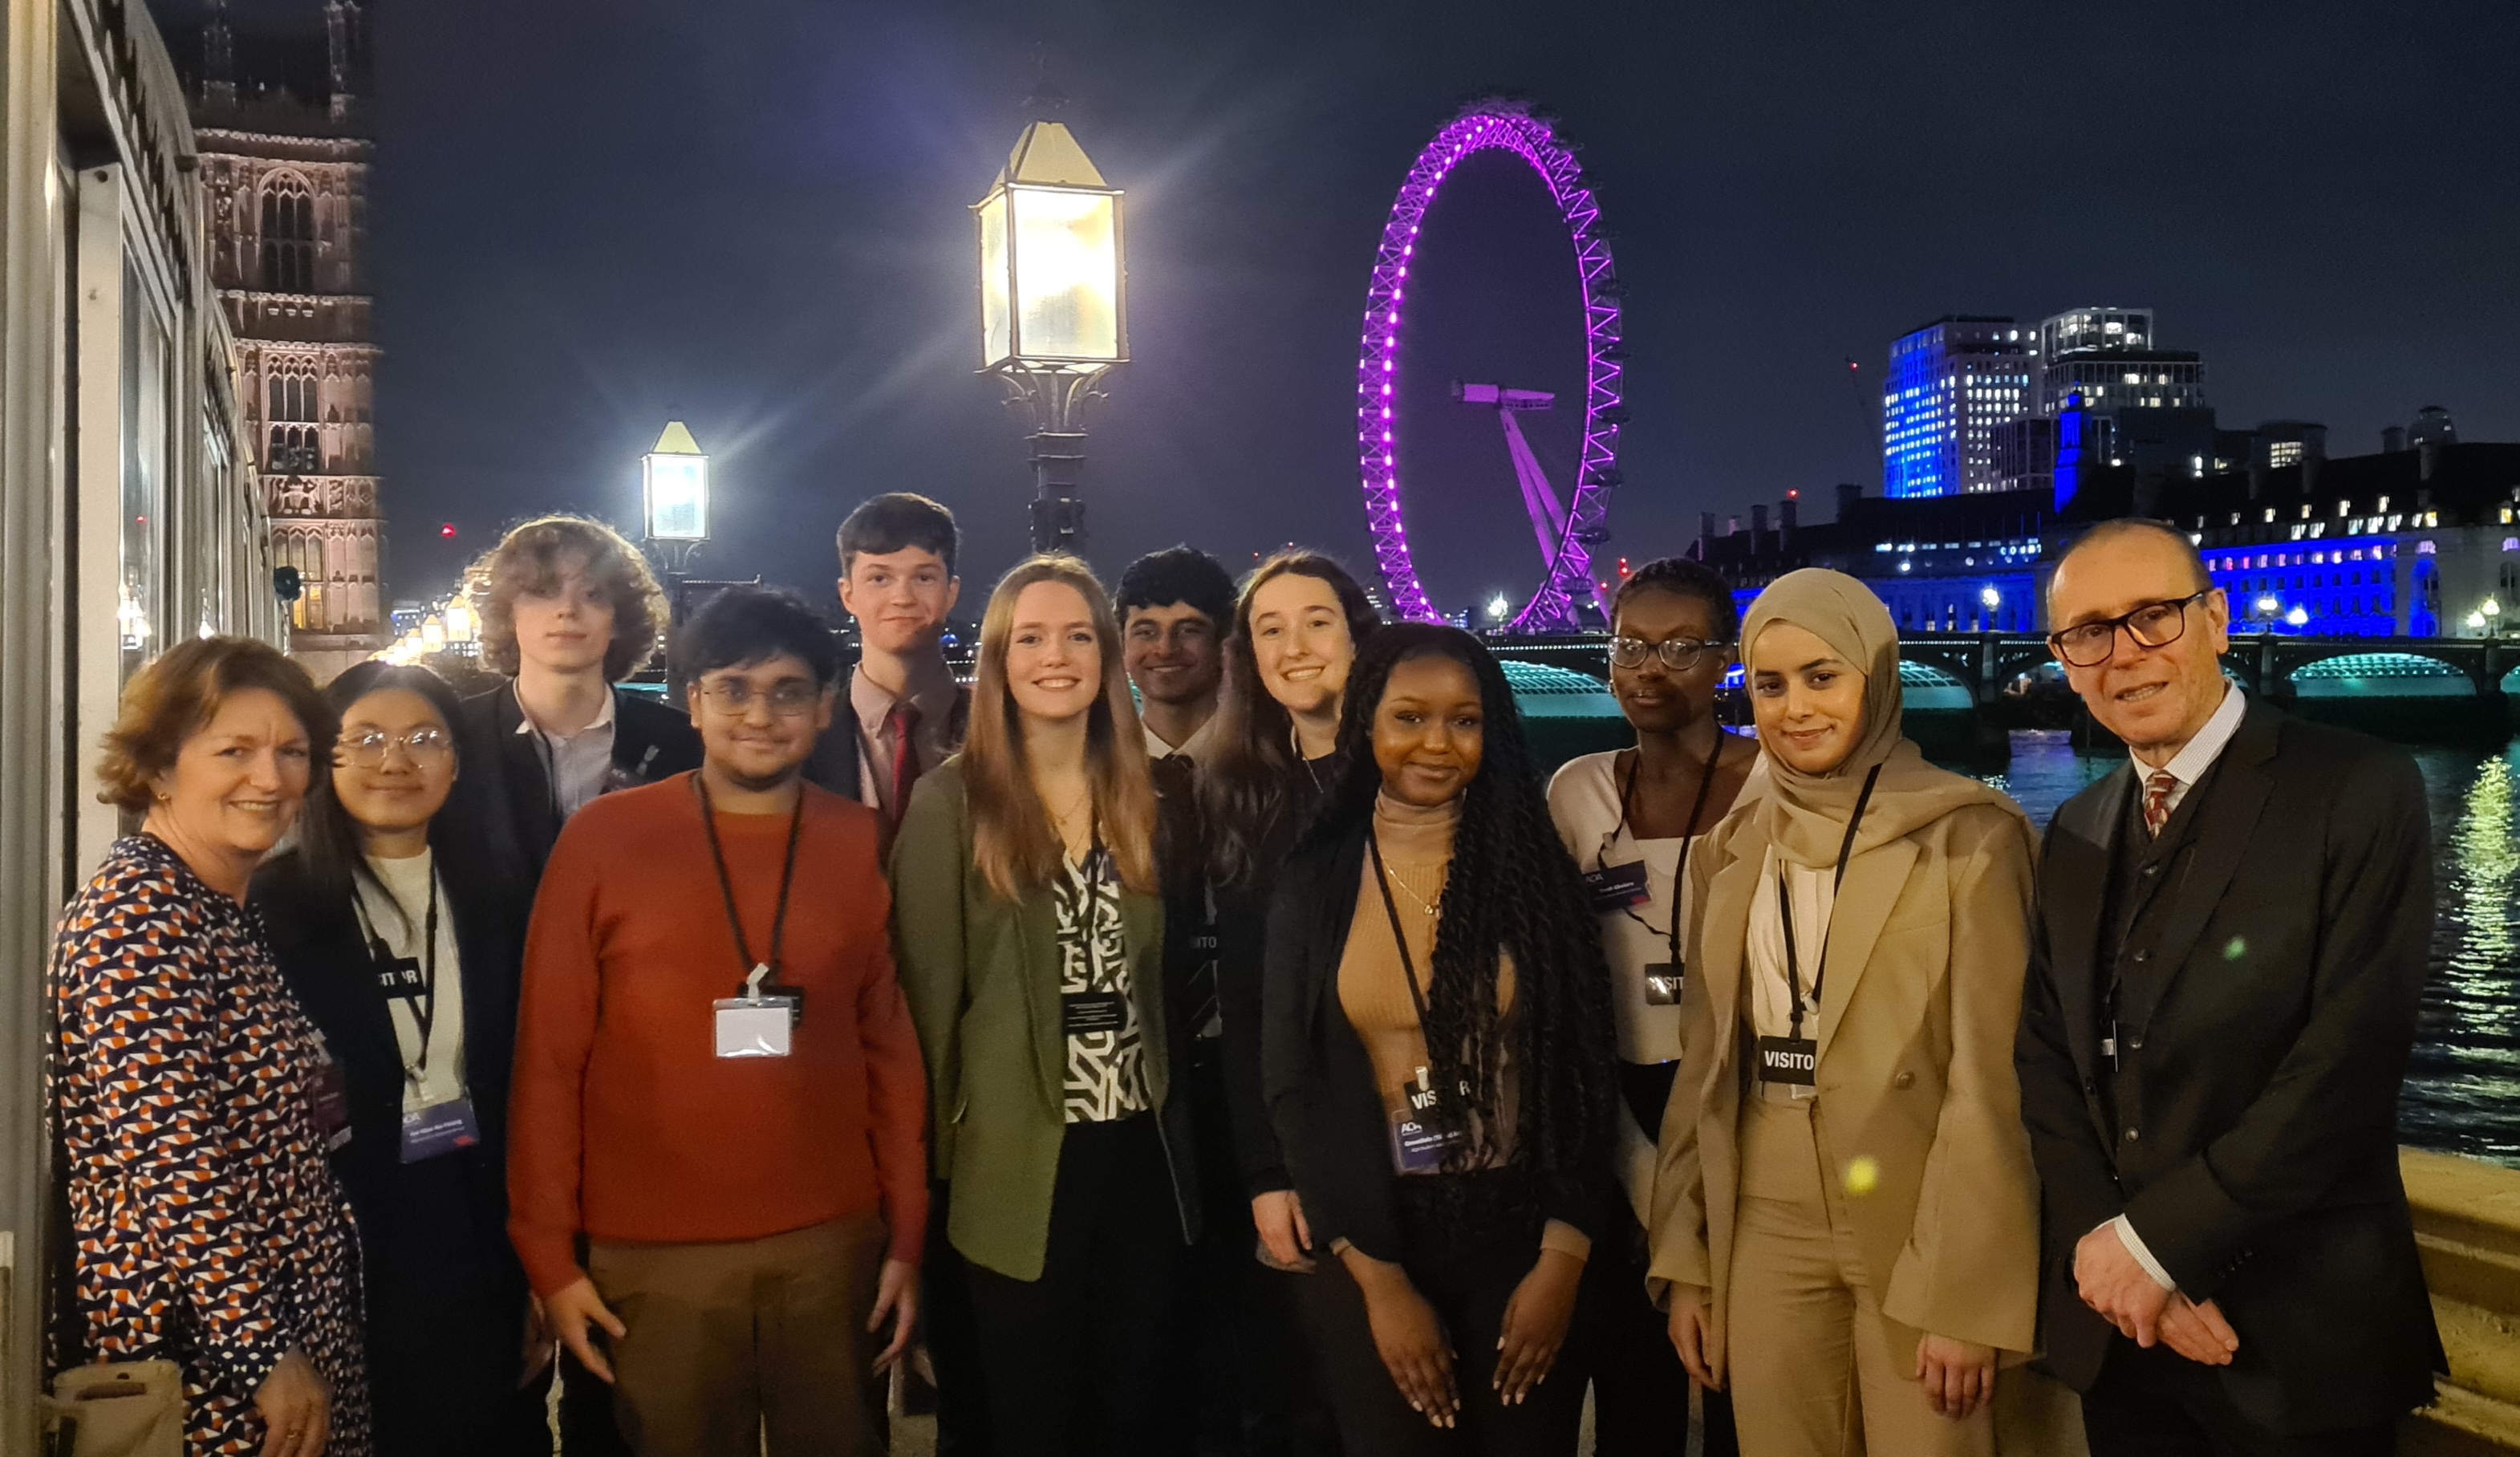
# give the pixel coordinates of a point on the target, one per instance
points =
(904, 713)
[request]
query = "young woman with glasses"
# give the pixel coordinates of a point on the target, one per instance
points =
(1629, 818)
(1029, 928)
(402, 939)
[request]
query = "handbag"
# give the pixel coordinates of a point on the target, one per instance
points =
(118, 1409)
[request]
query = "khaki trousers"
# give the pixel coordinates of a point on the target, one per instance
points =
(1814, 1368)
(748, 1348)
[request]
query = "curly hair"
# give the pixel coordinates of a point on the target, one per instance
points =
(1251, 791)
(176, 696)
(1511, 890)
(1683, 576)
(529, 561)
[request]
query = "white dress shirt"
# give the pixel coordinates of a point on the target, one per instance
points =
(580, 764)
(2186, 767)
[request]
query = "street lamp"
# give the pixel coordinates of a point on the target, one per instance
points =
(1498, 609)
(2299, 617)
(1051, 317)
(2492, 611)
(459, 623)
(674, 485)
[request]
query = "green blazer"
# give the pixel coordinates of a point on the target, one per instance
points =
(981, 975)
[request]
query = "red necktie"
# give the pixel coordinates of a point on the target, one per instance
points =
(903, 722)
(2157, 787)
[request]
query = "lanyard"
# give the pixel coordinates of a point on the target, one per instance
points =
(725, 885)
(1785, 914)
(1680, 870)
(1408, 964)
(424, 1007)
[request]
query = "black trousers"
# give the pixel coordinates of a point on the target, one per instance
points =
(2158, 1403)
(1235, 1348)
(1639, 1388)
(953, 1340)
(445, 1319)
(1075, 1361)
(1469, 1289)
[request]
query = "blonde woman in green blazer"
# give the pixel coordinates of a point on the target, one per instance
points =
(1030, 939)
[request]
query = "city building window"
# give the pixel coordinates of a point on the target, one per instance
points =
(288, 236)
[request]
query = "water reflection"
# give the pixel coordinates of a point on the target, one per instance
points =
(2462, 1091)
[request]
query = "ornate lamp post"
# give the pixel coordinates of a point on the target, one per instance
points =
(1052, 318)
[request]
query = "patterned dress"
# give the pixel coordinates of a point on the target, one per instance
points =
(1106, 1072)
(210, 1230)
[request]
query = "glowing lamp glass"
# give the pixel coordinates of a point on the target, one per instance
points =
(676, 497)
(1050, 276)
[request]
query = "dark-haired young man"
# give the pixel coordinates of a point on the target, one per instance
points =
(1175, 605)
(904, 713)
(572, 610)
(740, 1137)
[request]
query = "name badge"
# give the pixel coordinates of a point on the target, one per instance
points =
(399, 977)
(1083, 1012)
(1615, 888)
(1792, 1060)
(1417, 1145)
(756, 1027)
(439, 1129)
(328, 1098)
(1663, 979)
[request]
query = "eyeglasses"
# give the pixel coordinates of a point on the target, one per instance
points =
(2155, 624)
(791, 698)
(421, 746)
(1679, 653)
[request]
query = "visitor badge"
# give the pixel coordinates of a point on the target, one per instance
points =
(1417, 1145)
(439, 1129)
(1082, 1013)
(1615, 888)
(328, 1097)
(1663, 980)
(1793, 1061)
(756, 1024)
(399, 977)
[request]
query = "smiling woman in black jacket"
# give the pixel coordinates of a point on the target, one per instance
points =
(1435, 1052)
(401, 938)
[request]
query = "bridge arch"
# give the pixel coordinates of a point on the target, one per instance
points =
(2380, 675)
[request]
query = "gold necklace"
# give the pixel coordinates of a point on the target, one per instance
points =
(1430, 907)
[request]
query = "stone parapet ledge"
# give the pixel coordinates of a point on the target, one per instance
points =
(2467, 1226)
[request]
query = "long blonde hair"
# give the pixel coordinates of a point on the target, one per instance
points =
(1013, 844)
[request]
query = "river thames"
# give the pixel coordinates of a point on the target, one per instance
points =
(2462, 1093)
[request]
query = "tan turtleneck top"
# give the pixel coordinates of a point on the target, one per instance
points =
(1373, 985)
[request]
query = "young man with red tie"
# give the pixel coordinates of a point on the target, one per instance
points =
(904, 713)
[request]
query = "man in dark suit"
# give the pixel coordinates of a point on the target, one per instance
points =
(2231, 945)
(572, 610)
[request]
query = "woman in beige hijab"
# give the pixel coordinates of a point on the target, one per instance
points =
(1845, 1213)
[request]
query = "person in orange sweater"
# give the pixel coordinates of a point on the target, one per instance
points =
(716, 1149)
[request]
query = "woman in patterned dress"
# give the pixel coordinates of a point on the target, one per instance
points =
(1030, 945)
(189, 1091)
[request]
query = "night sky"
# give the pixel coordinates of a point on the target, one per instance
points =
(751, 214)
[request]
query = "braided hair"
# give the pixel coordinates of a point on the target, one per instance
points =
(1512, 889)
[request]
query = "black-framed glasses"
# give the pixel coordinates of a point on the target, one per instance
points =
(2155, 624)
(1678, 654)
(794, 698)
(422, 746)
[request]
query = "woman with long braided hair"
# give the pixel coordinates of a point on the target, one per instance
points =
(1437, 1057)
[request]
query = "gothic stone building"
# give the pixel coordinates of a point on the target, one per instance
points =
(284, 164)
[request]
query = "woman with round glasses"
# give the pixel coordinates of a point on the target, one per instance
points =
(402, 939)
(1629, 819)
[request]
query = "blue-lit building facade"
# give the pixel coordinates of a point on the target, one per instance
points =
(2413, 542)
(1950, 384)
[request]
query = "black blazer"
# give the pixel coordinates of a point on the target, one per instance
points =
(327, 964)
(650, 741)
(2255, 1149)
(1323, 1108)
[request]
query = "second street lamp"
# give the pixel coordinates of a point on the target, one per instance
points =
(1051, 317)
(674, 494)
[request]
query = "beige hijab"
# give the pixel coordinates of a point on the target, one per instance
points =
(1805, 814)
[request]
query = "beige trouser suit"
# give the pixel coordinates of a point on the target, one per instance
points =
(1832, 1231)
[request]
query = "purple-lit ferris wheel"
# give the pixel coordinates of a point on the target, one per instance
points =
(1566, 534)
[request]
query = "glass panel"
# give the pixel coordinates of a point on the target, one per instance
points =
(138, 612)
(678, 497)
(1067, 274)
(997, 340)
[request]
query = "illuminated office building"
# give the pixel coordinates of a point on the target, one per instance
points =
(1950, 383)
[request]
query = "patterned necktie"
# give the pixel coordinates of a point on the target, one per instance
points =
(2157, 787)
(903, 724)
